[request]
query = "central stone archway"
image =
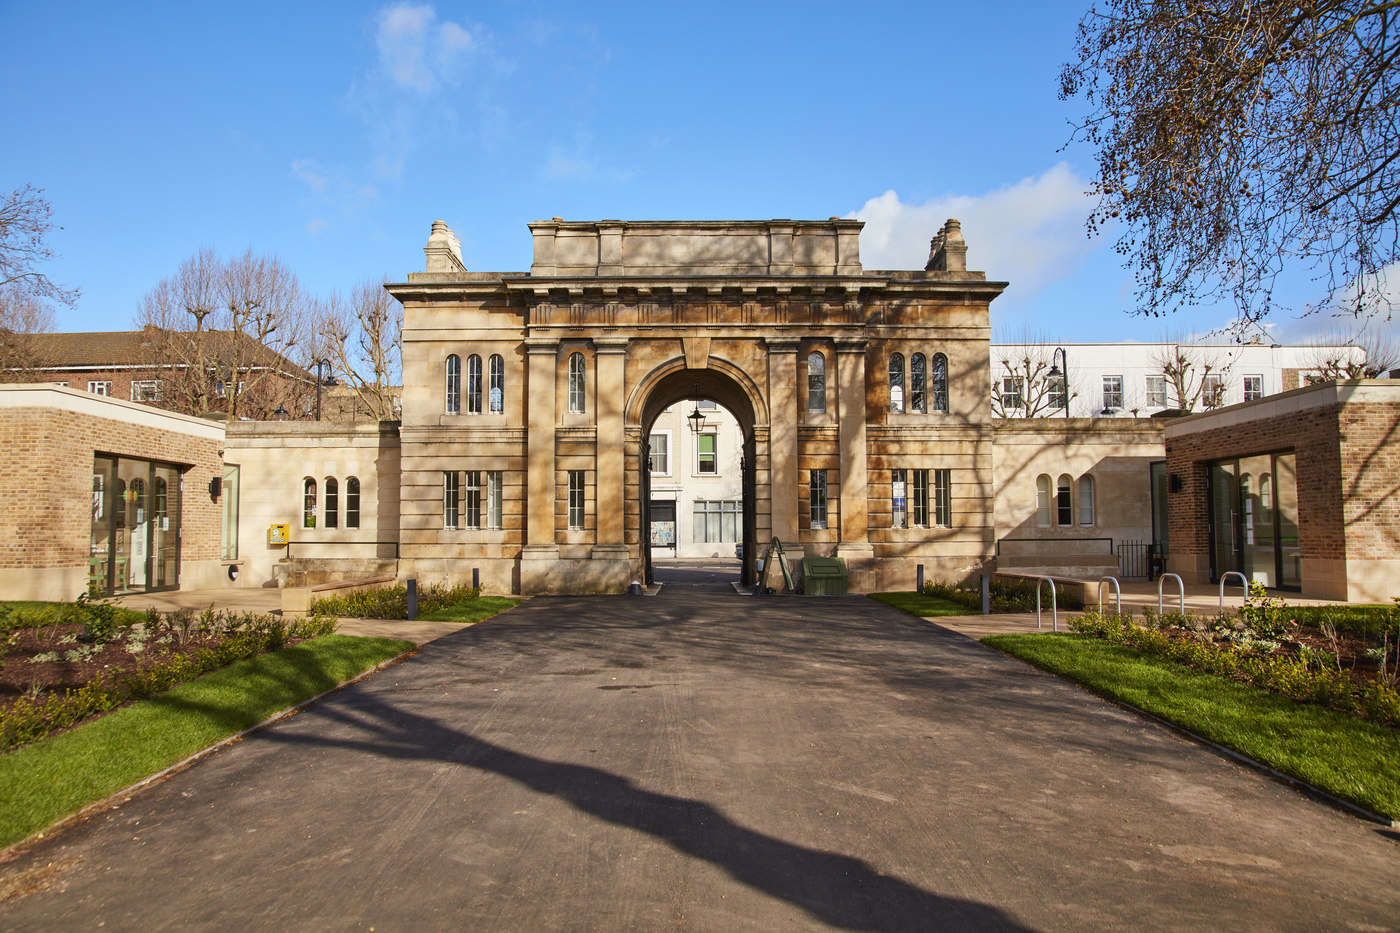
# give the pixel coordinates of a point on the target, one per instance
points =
(727, 385)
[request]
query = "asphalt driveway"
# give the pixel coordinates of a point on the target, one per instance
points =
(707, 761)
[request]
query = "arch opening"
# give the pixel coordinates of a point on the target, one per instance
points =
(689, 488)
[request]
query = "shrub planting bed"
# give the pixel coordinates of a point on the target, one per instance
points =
(1006, 596)
(62, 663)
(436, 603)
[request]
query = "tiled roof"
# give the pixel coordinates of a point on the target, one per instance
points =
(114, 349)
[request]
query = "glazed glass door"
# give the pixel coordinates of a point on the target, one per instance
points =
(1224, 519)
(1258, 551)
(165, 529)
(1286, 508)
(104, 500)
(133, 534)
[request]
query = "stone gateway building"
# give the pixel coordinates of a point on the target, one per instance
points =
(529, 397)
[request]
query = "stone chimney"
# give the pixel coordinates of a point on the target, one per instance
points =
(947, 251)
(444, 250)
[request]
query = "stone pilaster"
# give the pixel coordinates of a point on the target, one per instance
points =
(543, 363)
(611, 397)
(782, 400)
(850, 399)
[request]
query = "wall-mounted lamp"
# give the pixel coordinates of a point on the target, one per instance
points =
(216, 486)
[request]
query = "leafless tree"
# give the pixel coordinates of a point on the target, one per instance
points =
(1194, 375)
(23, 319)
(221, 333)
(1368, 354)
(1022, 386)
(362, 336)
(1236, 137)
(25, 222)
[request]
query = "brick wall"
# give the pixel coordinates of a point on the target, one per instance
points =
(1369, 479)
(46, 457)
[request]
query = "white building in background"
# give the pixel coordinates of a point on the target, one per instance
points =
(697, 492)
(1126, 379)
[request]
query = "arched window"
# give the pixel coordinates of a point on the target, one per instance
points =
(332, 513)
(352, 502)
(308, 502)
(1064, 504)
(1086, 500)
(576, 372)
(938, 383)
(1042, 501)
(454, 386)
(917, 372)
(473, 385)
(897, 382)
(498, 383)
(816, 382)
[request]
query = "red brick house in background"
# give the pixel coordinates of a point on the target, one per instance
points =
(127, 365)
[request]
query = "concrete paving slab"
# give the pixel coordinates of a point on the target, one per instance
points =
(704, 760)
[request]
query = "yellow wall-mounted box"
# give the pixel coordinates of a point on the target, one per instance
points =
(278, 535)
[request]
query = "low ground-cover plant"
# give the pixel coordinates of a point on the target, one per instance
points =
(1006, 595)
(90, 657)
(1284, 665)
(392, 602)
(1342, 754)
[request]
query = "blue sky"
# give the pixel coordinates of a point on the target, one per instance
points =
(334, 134)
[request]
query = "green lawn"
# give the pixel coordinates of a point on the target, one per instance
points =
(473, 610)
(921, 605)
(1344, 755)
(51, 778)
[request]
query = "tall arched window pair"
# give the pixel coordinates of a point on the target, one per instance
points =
(495, 389)
(928, 383)
(330, 518)
(1061, 505)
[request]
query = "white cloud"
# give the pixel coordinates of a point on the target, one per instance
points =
(330, 190)
(418, 52)
(1029, 234)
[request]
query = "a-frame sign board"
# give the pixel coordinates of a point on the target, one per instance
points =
(775, 550)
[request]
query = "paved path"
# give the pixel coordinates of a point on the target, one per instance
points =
(707, 761)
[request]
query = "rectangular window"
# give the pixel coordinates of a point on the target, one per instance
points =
(1253, 388)
(707, 457)
(707, 405)
(575, 500)
(1156, 396)
(451, 499)
(493, 500)
(660, 459)
(717, 521)
(919, 479)
(1010, 393)
(1113, 392)
(145, 390)
(100, 388)
(898, 503)
(818, 498)
(472, 500)
(1212, 391)
(228, 544)
(63, 384)
(943, 498)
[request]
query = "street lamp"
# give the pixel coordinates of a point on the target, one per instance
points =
(320, 382)
(281, 414)
(696, 419)
(1062, 376)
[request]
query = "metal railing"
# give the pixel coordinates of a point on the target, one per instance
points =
(1180, 588)
(1117, 592)
(341, 544)
(1133, 559)
(1054, 603)
(1243, 582)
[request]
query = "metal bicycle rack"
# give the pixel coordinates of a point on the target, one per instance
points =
(1243, 582)
(1117, 592)
(1054, 603)
(1180, 588)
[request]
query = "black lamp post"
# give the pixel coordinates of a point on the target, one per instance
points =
(320, 381)
(1064, 377)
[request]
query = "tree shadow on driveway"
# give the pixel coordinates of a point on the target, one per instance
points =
(838, 890)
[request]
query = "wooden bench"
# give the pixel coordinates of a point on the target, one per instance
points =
(296, 600)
